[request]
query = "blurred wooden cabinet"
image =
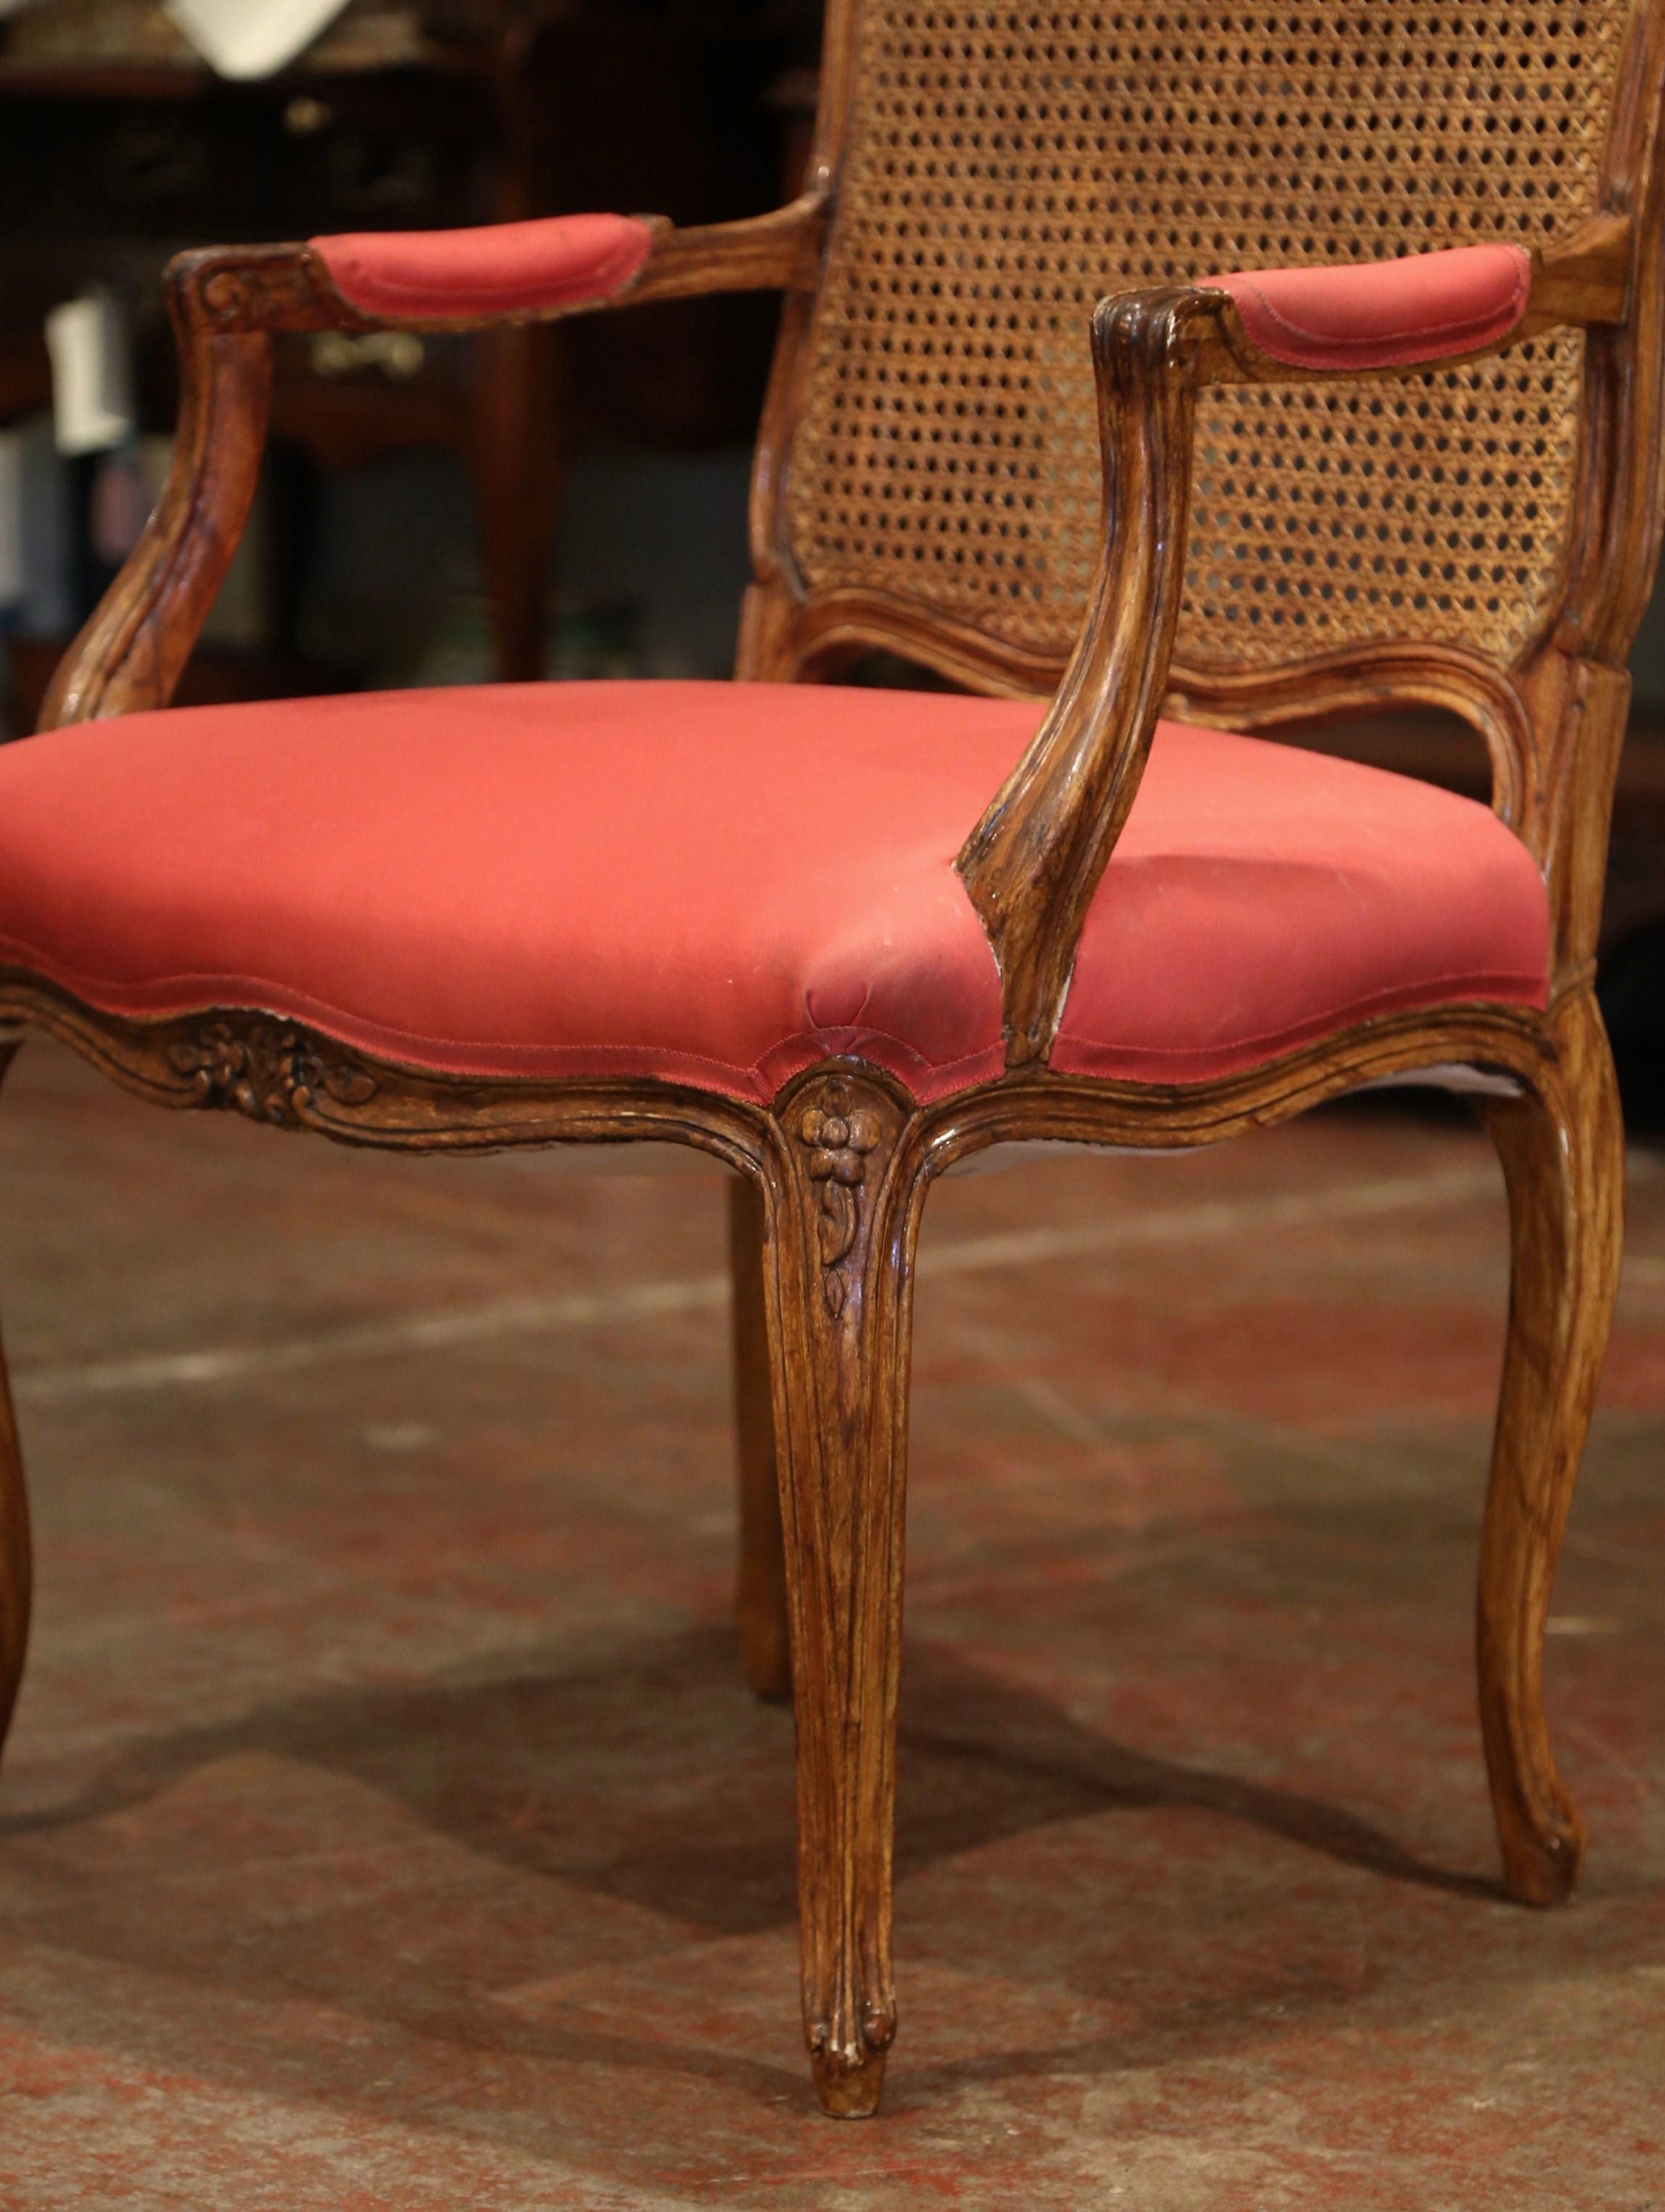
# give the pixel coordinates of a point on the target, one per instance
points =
(118, 147)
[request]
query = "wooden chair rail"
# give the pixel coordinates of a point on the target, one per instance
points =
(287, 1076)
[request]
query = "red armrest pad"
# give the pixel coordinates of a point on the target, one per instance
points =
(1383, 314)
(502, 268)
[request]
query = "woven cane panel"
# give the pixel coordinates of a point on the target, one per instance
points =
(1009, 163)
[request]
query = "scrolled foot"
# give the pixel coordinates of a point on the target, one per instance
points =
(848, 2082)
(1543, 1856)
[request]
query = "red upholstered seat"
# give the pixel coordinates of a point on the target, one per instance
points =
(720, 884)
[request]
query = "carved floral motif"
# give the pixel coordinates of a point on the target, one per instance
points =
(839, 1136)
(272, 1072)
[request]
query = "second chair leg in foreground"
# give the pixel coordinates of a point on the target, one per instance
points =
(1563, 1150)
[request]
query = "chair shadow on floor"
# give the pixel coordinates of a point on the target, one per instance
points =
(1010, 1759)
(682, 1809)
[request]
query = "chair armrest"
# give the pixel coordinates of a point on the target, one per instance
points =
(528, 271)
(500, 269)
(227, 301)
(495, 273)
(1033, 862)
(1384, 314)
(1419, 310)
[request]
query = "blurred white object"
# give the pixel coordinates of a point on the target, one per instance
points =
(37, 599)
(92, 374)
(252, 38)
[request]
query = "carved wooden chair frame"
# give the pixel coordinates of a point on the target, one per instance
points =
(831, 1177)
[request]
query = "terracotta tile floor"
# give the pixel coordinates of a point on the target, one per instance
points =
(386, 1825)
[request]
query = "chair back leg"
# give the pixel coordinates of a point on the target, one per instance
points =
(1562, 1146)
(16, 1567)
(761, 1600)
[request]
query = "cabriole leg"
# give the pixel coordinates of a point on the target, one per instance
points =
(1563, 1152)
(842, 1204)
(765, 1650)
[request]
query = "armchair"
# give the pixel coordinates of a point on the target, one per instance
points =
(844, 940)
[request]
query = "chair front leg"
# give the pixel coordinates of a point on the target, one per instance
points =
(841, 1192)
(1563, 1150)
(760, 1602)
(16, 1573)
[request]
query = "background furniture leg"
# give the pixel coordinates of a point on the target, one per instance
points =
(1563, 1152)
(16, 1572)
(842, 1212)
(765, 1645)
(516, 479)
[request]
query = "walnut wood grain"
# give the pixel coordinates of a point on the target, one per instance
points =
(280, 1073)
(780, 251)
(134, 648)
(761, 1589)
(1621, 510)
(1562, 1145)
(288, 1076)
(1033, 862)
(842, 1189)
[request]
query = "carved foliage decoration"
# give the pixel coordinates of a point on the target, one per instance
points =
(271, 1071)
(839, 1135)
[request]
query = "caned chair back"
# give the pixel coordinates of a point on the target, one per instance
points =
(931, 476)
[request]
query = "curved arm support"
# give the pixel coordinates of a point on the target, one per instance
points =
(134, 648)
(1033, 862)
(225, 302)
